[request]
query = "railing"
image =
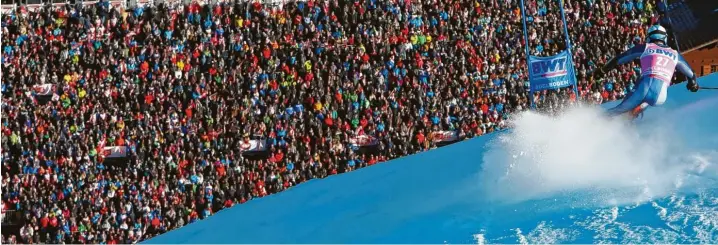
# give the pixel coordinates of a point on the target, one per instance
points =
(11, 217)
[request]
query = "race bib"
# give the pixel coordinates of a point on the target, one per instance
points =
(658, 61)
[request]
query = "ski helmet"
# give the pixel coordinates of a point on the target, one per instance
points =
(657, 33)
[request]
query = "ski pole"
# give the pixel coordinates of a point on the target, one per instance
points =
(712, 88)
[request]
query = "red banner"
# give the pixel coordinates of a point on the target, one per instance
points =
(445, 136)
(43, 89)
(364, 140)
(114, 151)
(253, 145)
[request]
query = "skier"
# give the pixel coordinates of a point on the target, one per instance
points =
(658, 63)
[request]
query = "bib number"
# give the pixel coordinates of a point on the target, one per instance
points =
(661, 61)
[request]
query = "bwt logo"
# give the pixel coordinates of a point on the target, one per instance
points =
(663, 52)
(549, 68)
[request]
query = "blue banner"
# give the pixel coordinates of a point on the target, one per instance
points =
(552, 72)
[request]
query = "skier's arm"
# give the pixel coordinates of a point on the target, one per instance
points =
(624, 58)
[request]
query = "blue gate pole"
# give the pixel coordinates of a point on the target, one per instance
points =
(528, 55)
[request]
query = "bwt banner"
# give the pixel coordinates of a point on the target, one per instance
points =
(551, 72)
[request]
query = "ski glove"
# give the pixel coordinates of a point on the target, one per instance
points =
(692, 86)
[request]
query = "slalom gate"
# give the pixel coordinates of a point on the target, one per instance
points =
(552, 72)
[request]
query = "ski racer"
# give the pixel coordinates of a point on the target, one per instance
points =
(658, 63)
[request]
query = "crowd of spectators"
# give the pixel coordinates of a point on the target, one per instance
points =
(182, 87)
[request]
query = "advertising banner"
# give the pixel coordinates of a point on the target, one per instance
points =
(364, 140)
(444, 136)
(551, 72)
(250, 146)
(114, 152)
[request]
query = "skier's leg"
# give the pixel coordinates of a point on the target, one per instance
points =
(657, 92)
(656, 96)
(634, 100)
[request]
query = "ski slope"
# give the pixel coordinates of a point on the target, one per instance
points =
(579, 178)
